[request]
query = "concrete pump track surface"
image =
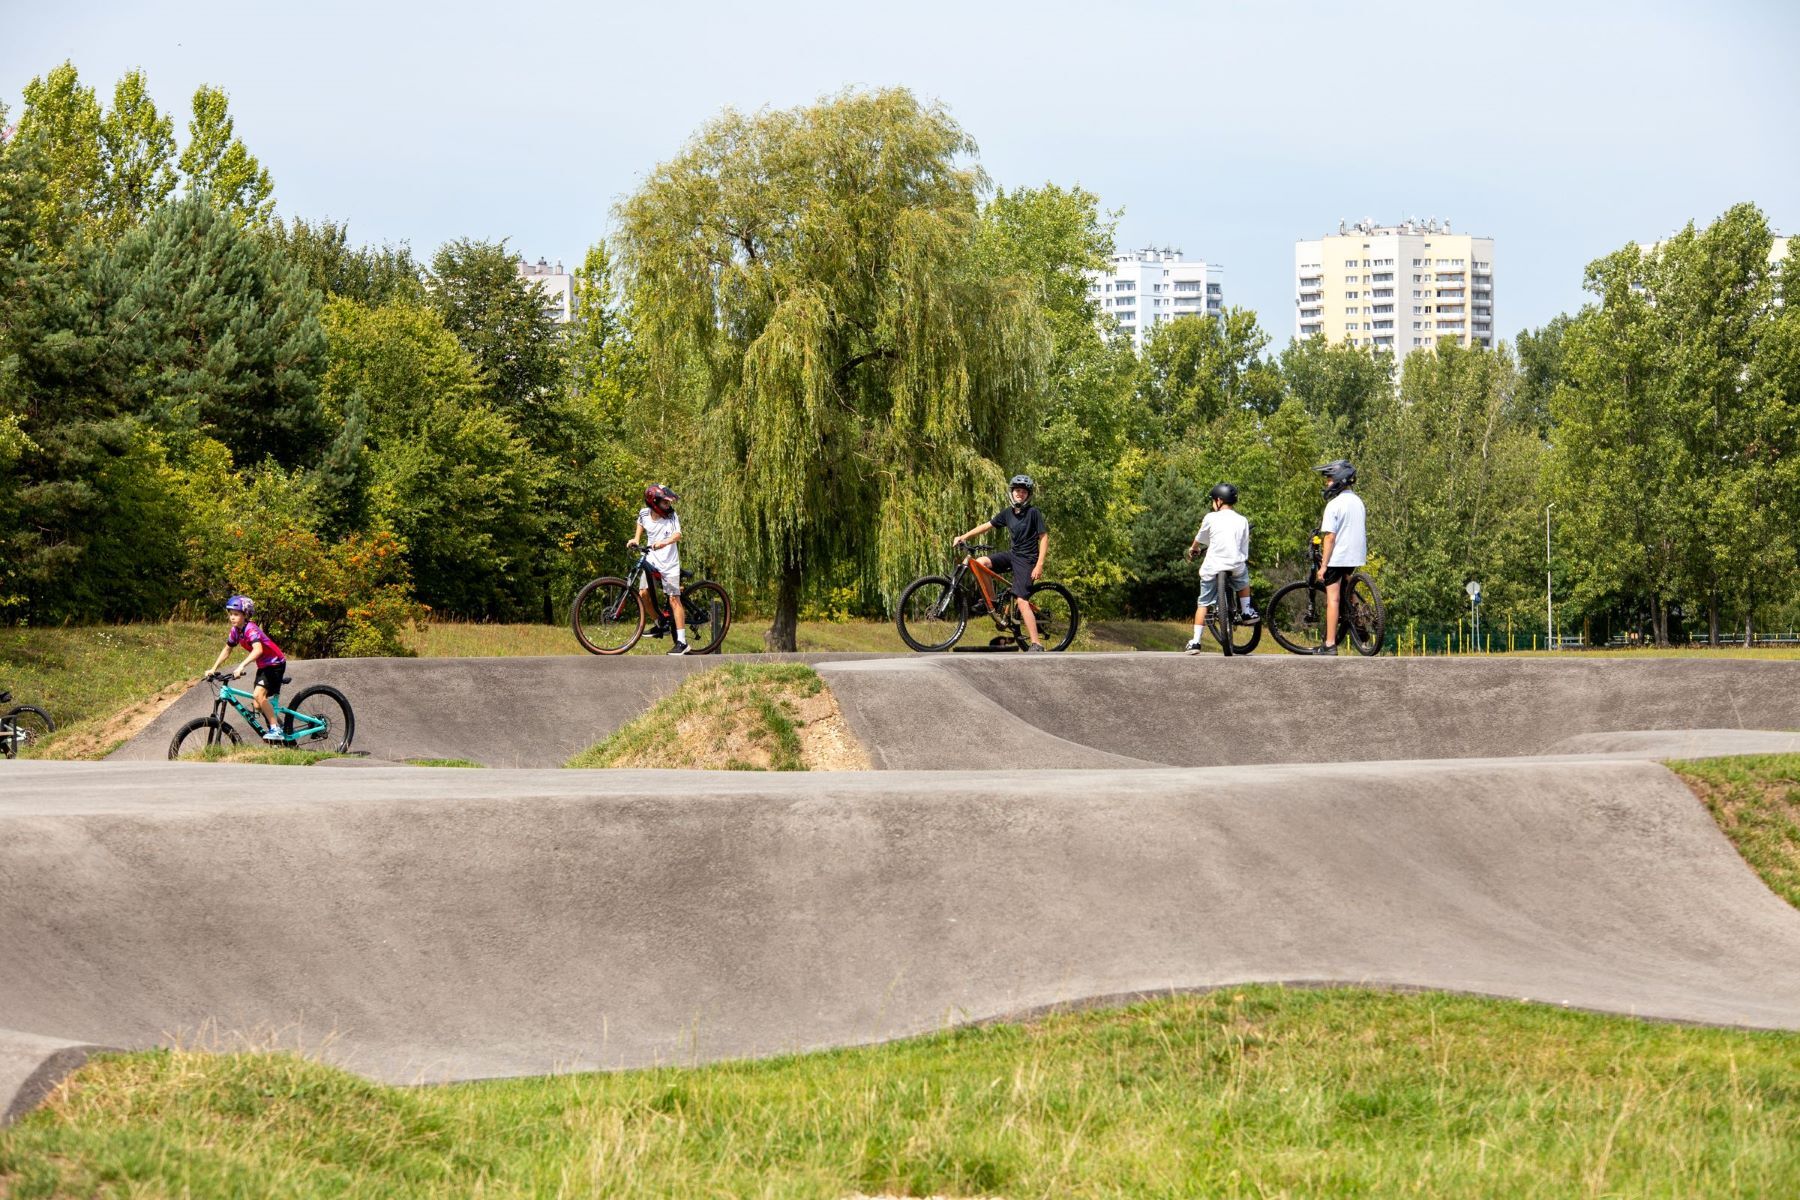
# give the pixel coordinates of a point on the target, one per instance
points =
(1040, 830)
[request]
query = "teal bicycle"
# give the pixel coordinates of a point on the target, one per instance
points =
(318, 719)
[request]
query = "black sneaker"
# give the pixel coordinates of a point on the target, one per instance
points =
(1037, 648)
(1248, 616)
(679, 648)
(660, 629)
(1331, 651)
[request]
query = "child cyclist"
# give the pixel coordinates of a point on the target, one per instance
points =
(658, 531)
(260, 648)
(1030, 545)
(1346, 547)
(1226, 536)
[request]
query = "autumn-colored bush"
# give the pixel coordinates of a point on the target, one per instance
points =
(345, 599)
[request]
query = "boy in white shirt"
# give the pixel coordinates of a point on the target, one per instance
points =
(1346, 542)
(658, 530)
(1226, 536)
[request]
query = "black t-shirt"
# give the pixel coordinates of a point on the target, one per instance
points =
(1025, 527)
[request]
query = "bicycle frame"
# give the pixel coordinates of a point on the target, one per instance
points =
(303, 724)
(992, 586)
(635, 583)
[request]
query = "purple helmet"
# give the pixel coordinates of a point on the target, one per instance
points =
(240, 604)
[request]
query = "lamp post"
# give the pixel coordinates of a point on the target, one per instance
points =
(1549, 606)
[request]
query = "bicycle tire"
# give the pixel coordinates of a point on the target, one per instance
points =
(218, 733)
(35, 723)
(1364, 617)
(588, 616)
(924, 632)
(1058, 632)
(323, 699)
(1245, 636)
(708, 597)
(1293, 620)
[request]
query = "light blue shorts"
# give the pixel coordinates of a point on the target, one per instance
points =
(1209, 585)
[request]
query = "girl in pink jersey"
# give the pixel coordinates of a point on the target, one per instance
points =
(260, 648)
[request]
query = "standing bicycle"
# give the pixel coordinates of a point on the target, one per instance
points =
(22, 726)
(1224, 604)
(1311, 616)
(320, 719)
(609, 614)
(934, 610)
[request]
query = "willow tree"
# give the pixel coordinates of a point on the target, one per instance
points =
(803, 283)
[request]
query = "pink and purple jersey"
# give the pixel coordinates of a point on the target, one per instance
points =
(248, 634)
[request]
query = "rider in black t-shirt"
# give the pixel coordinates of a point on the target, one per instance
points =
(1030, 545)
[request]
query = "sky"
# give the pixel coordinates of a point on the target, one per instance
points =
(1231, 130)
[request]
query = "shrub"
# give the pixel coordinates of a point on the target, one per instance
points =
(342, 600)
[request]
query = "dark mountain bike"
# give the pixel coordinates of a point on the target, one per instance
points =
(1296, 614)
(22, 726)
(608, 614)
(934, 610)
(318, 718)
(1234, 634)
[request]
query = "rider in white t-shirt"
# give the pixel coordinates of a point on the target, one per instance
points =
(1346, 541)
(658, 531)
(1226, 535)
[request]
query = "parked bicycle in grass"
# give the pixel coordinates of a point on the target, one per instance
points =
(609, 614)
(320, 719)
(22, 726)
(934, 610)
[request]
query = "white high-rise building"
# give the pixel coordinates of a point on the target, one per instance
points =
(1397, 288)
(1146, 288)
(557, 286)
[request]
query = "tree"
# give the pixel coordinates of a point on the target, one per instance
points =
(61, 123)
(1198, 368)
(1337, 383)
(502, 321)
(205, 326)
(218, 164)
(137, 152)
(367, 274)
(804, 279)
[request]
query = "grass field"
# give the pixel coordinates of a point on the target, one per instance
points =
(1247, 1092)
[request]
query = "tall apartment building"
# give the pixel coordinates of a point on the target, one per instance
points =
(557, 286)
(1395, 287)
(1145, 288)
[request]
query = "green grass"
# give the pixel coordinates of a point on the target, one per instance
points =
(88, 673)
(1251, 1092)
(442, 762)
(1756, 801)
(736, 717)
(268, 756)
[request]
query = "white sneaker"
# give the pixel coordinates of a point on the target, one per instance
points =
(274, 735)
(1193, 647)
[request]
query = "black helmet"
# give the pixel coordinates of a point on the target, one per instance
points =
(1341, 474)
(1226, 492)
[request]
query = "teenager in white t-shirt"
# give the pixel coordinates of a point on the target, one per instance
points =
(658, 531)
(1346, 542)
(1226, 536)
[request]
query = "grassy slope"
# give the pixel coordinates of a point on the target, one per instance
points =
(737, 717)
(1756, 801)
(1251, 1092)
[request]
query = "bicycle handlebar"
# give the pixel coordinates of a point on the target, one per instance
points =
(972, 548)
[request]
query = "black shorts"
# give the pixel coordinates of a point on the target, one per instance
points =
(1019, 565)
(269, 678)
(1336, 575)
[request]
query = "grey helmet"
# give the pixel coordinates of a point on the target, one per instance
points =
(1340, 473)
(1022, 481)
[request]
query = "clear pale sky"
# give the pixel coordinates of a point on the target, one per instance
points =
(1563, 130)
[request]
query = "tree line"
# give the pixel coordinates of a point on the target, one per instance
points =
(829, 331)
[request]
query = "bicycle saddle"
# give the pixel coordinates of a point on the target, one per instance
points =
(5, 696)
(686, 574)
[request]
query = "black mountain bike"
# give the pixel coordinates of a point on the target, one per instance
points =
(1227, 625)
(935, 609)
(1296, 615)
(608, 614)
(22, 726)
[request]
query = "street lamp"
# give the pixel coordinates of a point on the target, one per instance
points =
(1549, 607)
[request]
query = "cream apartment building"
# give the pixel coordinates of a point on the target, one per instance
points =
(1397, 288)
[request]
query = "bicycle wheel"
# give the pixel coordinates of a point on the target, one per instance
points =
(32, 722)
(708, 611)
(1058, 615)
(1244, 636)
(1296, 618)
(201, 734)
(326, 704)
(930, 615)
(606, 617)
(1364, 618)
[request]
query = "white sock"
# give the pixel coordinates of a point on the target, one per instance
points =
(681, 636)
(1198, 630)
(1244, 605)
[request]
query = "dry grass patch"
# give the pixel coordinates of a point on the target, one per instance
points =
(738, 717)
(1756, 801)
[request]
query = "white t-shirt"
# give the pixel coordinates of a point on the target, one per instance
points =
(1344, 516)
(1226, 536)
(661, 529)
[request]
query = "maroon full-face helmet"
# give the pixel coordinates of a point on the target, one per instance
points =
(661, 499)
